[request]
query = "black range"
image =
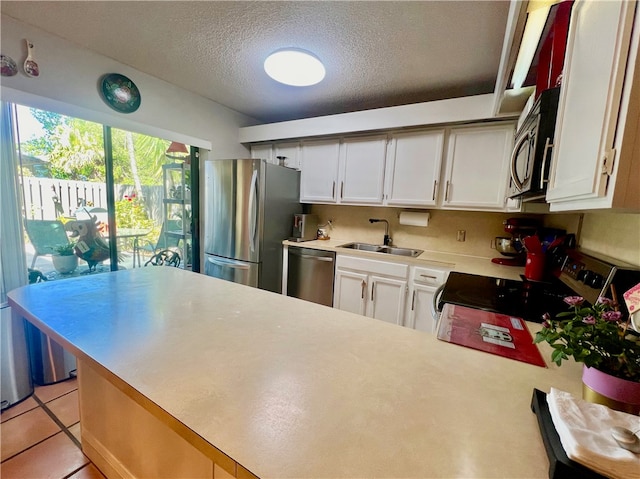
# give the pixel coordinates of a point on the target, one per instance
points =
(579, 272)
(525, 299)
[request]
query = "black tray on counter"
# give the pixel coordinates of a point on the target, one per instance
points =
(560, 466)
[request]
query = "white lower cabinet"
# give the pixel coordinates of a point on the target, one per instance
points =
(351, 291)
(423, 284)
(372, 288)
(387, 299)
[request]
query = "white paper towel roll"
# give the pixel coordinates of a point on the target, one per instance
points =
(411, 218)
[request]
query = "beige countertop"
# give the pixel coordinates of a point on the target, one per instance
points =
(288, 388)
(454, 262)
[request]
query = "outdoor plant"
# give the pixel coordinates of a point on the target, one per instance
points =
(65, 249)
(594, 335)
(131, 213)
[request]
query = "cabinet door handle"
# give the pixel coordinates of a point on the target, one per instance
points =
(333, 190)
(363, 287)
(342, 189)
(373, 287)
(228, 263)
(547, 146)
(428, 276)
(317, 258)
(413, 300)
(435, 185)
(446, 192)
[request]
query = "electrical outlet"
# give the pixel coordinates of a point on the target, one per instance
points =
(461, 236)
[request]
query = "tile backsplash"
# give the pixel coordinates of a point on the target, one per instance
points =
(351, 223)
(612, 234)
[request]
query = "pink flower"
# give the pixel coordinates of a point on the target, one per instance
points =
(612, 316)
(603, 300)
(589, 320)
(574, 300)
(546, 324)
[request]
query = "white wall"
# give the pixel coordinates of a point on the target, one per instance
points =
(69, 83)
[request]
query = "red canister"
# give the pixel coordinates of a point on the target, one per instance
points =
(534, 267)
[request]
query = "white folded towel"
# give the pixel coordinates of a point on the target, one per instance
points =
(585, 433)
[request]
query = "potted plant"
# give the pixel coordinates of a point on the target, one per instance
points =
(64, 259)
(601, 338)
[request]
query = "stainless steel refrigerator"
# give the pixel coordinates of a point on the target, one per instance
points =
(248, 211)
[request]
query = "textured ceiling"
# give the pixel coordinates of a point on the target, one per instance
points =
(377, 54)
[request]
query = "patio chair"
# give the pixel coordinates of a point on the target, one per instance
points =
(164, 258)
(45, 235)
(164, 241)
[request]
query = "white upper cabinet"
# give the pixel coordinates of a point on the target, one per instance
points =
(457, 168)
(262, 151)
(287, 154)
(598, 110)
(477, 165)
(350, 171)
(413, 168)
(362, 170)
(319, 161)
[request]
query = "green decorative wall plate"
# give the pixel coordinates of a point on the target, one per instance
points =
(120, 93)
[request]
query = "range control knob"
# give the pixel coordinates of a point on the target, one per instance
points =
(588, 277)
(596, 281)
(584, 275)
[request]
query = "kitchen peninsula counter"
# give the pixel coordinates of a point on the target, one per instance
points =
(263, 384)
(454, 262)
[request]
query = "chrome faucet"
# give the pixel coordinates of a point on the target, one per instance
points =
(387, 238)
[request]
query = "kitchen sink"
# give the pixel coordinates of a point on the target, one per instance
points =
(362, 246)
(394, 250)
(402, 251)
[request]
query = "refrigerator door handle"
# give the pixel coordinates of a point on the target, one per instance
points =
(229, 263)
(253, 209)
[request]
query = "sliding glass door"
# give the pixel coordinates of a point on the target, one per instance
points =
(97, 196)
(64, 193)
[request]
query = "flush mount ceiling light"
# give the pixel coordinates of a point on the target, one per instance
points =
(293, 66)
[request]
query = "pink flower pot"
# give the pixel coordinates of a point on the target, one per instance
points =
(616, 393)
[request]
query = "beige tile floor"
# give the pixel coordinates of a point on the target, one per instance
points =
(40, 437)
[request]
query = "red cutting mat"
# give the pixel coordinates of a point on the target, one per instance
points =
(494, 333)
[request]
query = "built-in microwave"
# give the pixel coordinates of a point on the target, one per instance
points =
(531, 157)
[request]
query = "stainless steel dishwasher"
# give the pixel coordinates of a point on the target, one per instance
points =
(310, 275)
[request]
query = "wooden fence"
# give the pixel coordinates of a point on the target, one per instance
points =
(48, 198)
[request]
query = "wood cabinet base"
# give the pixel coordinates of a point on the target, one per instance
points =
(125, 439)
